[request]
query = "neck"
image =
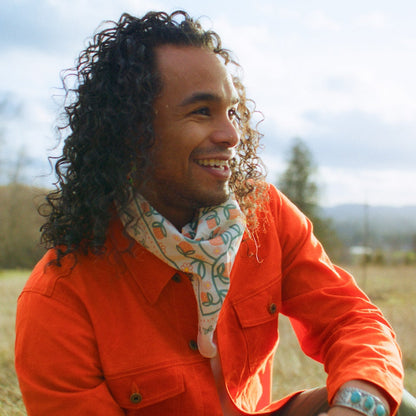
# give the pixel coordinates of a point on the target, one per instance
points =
(179, 216)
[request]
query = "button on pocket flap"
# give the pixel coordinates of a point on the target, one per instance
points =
(259, 307)
(144, 389)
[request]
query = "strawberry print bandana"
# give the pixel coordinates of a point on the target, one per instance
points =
(205, 250)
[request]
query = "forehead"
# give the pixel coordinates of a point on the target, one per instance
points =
(186, 70)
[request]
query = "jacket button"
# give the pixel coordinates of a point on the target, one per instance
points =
(177, 278)
(272, 308)
(193, 345)
(136, 398)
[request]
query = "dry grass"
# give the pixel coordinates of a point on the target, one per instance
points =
(392, 289)
(11, 284)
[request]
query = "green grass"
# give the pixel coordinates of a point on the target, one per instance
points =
(393, 289)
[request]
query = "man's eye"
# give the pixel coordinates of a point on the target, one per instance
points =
(204, 111)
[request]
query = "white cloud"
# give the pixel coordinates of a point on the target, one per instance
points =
(374, 187)
(374, 20)
(318, 20)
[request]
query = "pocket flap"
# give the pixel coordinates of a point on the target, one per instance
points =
(260, 307)
(139, 390)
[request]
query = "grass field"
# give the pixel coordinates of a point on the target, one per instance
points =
(11, 283)
(392, 289)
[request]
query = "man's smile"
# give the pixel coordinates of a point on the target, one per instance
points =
(213, 163)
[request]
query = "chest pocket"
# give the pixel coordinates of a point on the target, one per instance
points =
(149, 393)
(258, 318)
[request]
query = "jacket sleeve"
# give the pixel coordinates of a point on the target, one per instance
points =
(57, 360)
(335, 322)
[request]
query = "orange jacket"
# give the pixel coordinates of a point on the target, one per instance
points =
(115, 334)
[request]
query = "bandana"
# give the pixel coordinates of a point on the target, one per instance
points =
(205, 250)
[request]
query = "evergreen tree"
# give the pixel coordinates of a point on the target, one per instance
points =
(298, 183)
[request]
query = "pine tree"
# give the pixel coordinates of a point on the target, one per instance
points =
(298, 183)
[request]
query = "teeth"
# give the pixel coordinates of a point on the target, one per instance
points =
(214, 163)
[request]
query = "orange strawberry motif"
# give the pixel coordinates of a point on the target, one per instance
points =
(212, 223)
(145, 207)
(204, 297)
(185, 247)
(233, 213)
(216, 241)
(158, 232)
(227, 269)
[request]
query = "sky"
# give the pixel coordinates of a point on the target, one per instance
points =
(339, 75)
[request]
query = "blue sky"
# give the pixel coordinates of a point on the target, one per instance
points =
(340, 75)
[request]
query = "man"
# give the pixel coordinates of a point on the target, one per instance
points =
(170, 258)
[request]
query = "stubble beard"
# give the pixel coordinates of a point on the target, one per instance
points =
(205, 199)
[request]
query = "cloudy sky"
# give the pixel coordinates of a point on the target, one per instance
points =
(340, 75)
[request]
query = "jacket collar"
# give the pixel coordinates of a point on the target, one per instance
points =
(150, 273)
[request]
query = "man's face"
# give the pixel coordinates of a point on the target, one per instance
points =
(196, 132)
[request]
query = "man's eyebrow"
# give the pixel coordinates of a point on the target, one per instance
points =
(205, 96)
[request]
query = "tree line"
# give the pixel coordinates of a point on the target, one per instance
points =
(19, 226)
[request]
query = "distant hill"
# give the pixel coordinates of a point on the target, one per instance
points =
(388, 227)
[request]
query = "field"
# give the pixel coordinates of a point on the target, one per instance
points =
(11, 283)
(392, 289)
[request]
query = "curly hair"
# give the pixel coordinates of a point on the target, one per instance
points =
(109, 116)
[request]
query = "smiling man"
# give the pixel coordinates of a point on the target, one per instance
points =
(170, 258)
(196, 133)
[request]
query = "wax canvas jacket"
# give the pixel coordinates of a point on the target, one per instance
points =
(115, 334)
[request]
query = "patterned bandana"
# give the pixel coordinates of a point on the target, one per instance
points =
(205, 250)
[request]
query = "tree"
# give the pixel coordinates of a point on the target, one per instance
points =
(298, 183)
(19, 226)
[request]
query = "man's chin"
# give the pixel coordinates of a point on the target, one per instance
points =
(213, 200)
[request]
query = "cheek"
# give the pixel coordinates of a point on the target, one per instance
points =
(175, 148)
(172, 162)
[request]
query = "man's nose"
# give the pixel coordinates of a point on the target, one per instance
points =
(226, 132)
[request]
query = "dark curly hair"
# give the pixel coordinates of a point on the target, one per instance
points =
(109, 116)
